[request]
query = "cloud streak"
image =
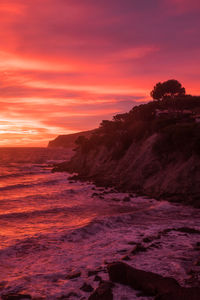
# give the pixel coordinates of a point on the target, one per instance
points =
(66, 65)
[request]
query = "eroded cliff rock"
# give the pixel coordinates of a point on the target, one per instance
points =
(175, 177)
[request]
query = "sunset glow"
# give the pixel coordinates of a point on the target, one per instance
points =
(66, 65)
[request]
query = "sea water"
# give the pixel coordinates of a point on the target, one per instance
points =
(52, 227)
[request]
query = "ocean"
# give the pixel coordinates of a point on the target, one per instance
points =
(52, 227)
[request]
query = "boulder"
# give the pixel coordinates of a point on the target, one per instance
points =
(150, 283)
(181, 294)
(73, 275)
(14, 296)
(103, 292)
(87, 288)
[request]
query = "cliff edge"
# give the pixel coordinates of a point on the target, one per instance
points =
(68, 140)
(153, 150)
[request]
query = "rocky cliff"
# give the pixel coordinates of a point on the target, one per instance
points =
(68, 140)
(141, 171)
(162, 161)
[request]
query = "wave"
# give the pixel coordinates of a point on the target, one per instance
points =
(98, 225)
(14, 175)
(62, 195)
(33, 155)
(42, 212)
(29, 185)
(42, 242)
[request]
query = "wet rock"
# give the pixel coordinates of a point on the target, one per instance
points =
(126, 257)
(188, 230)
(86, 288)
(116, 199)
(73, 275)
(167, 230)
(138, 248)
(150, 283)
(68, 296)
(95, 194)
(140, 294)
(13, 296)
(103, 292)
(151, 238)
(197, 263)
(122, 251)
(107, 262)
(3, 284)
(97, 278)
(132, 243)
(148, 239)
(181, 294)
(127, 199)
(181, 229)
(92, 272)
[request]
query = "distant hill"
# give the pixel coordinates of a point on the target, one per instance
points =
(68, 140)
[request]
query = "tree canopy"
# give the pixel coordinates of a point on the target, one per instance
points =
(170, 88)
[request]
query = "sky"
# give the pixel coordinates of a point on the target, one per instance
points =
(65, 65)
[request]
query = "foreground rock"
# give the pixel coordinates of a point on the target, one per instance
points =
(151, 284)
(181, 294)
(148, 282)
(14, 296)
(103, 292)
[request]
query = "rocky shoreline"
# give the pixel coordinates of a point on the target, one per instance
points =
(135, 268)
(147, 284)
(140, 172)
(152, 150)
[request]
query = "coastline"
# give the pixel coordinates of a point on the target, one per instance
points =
(177, 181)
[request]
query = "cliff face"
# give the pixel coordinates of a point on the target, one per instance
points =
(68, 140)
(153, 150)
(140, 170)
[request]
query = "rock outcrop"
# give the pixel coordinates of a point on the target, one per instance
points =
(140, 170)
(68, 140)
(153, 154)
(151, 284)
(103, 292)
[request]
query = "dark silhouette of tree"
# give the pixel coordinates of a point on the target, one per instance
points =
(167, 89)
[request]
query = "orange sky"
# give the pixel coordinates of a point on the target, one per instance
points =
(66, 65)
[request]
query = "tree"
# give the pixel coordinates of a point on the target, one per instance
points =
(170, 88)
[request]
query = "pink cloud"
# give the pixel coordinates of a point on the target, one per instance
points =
(65, 65)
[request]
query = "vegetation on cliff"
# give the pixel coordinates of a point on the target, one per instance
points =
(174, 117)
(153, 149)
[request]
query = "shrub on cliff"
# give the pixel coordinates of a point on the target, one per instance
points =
(181, 140)
(141, 121)
(169, 88)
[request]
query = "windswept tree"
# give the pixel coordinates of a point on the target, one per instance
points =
(170, 88)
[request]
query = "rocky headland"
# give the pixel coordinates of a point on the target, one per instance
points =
(68, 140)
(153, 150)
